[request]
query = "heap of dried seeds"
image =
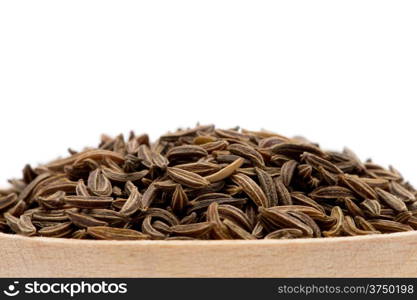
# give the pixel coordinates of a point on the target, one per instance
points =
(207, 183)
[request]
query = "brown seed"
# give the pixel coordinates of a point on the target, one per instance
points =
(237, 231)
(165, 185)
(233, 190)
(25, 225)
(214, 146)
(88, 202)
(306, 219)
(12, 222)
(58, 230)
(50, 216)
(251, 189)
(79, 234)
(248, 153)
(389, 226)
(403, 217)
(401, 192)
(226, 171)
(287, 171)
(412, 206)
(371, 207)
(186, 151)
(159, 160)
(22, 225)
(63, 185)
(200, 168)
(27, 191)
(161, 227)
(53, 201)
(148, 196)
(192, 230)
(263, 133)
(189, 219)
(284, 196)
(98, 155)
(84, 221)
(349, 228)
(220, 230)
(296, 190)
(365, 225)
(28, 174)
(145, 156)
(133, 203)
(8, 201)
(385, 174)
(270, 141)
(203, 139)
(147, 228)
(180, 238)
(283, 220)
(188, 132)
(376, 182)
(228, 158)
(186, 178)
(296, 149)
(110, 233)
(305, 171)
(279, 160)
(258, 230)
(202, 204)
(317, 161)
(18, 209)
(227, 211)
(391, 200)
(358, 186)
(107, 215)
(315, 214)
(353, 208)
(98, 184)
(331, 192)
(336, 229)
(164, 215)
(328, 177)
(287, 233)
(233, 134)
(211, 188)
(268, 186)
(179, 199)
(82, 189)
(120, 176)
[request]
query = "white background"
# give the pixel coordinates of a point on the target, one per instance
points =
(338, 72)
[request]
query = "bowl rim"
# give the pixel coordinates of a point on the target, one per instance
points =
(4, 237)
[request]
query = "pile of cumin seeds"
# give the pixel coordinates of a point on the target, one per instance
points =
(207, 183)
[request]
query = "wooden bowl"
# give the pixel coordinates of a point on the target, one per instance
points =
(389, 255)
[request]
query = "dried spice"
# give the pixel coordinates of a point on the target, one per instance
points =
(207, 183)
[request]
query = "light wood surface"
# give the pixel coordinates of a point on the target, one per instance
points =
(392, 255)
